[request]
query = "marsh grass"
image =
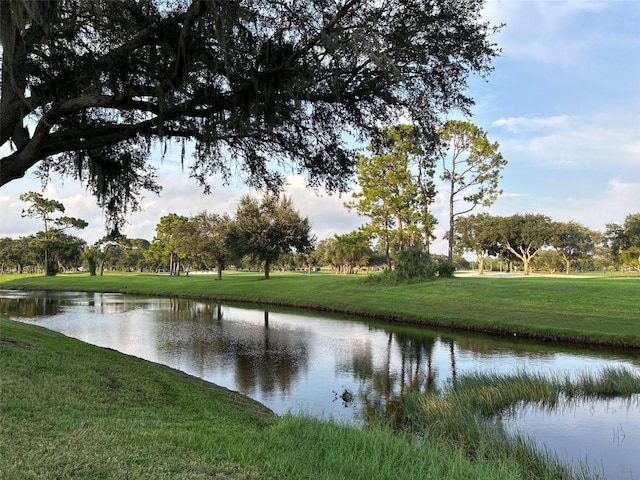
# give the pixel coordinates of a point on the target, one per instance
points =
(468, 414)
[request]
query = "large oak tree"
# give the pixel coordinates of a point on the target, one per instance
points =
(477, 233)
(524, 236)
(88, 86)
(573, 242)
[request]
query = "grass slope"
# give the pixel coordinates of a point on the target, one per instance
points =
(596, 310)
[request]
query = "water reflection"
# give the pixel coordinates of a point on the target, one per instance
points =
(28, 307)
(208, 338)
(406, 365)
(600, 434)
(292, 361)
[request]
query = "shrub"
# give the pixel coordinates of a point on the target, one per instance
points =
(414, 263)
(445, 269)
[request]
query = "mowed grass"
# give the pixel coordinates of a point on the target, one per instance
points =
(72, 410)
(590, 310)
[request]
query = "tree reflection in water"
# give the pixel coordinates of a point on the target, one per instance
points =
(263, 359)
(29, 307)
(383, 387)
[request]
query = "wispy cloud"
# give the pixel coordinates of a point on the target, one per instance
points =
(533, 124)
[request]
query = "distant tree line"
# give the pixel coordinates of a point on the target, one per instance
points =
(268, 233)
(534, 241)
(264, 233)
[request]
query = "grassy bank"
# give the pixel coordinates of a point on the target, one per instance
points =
(71, 410)
(597, 310)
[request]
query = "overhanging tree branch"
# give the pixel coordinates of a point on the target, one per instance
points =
(257, 77)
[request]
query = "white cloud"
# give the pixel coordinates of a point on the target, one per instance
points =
(554, 23)
(611, 206)
(327, 213)
(594, 209)
(599, 141)
(533, 124)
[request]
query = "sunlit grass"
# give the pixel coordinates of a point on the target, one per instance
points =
(599, 310)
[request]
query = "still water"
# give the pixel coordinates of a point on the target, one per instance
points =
(342, 368)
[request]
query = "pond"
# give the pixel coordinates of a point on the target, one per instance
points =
(342, 368)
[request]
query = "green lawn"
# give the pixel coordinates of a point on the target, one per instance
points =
(591, 310)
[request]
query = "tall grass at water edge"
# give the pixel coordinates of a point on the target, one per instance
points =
(468, 413)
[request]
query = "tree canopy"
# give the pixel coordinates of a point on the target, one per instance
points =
(573, 241)
(266, 228)
(524, 236)
(89, 86)
(173, 240)
(473, 170)
(625, 241)
(388, 195)
(476, 233)
(50, 240)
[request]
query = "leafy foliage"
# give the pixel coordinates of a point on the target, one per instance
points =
(212, 230)
(414, 263)
(173, 240)
(252, 85)
(472, 171)
(396, 200)
(52, 242)
(573, 242)
(446, 269)
(625, 241)
(267, 228)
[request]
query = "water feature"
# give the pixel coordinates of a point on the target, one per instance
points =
(339, 367)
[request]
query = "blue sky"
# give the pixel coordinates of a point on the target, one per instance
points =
(563, 103)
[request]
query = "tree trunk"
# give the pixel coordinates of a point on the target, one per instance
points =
(451, 225)
(266, 269)
(567, 265)
(219, 271)
(523, 255)
(480, 264)
(174, 265)
(47, 270)
(387, 250)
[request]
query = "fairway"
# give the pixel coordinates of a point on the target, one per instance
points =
(596, 310)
